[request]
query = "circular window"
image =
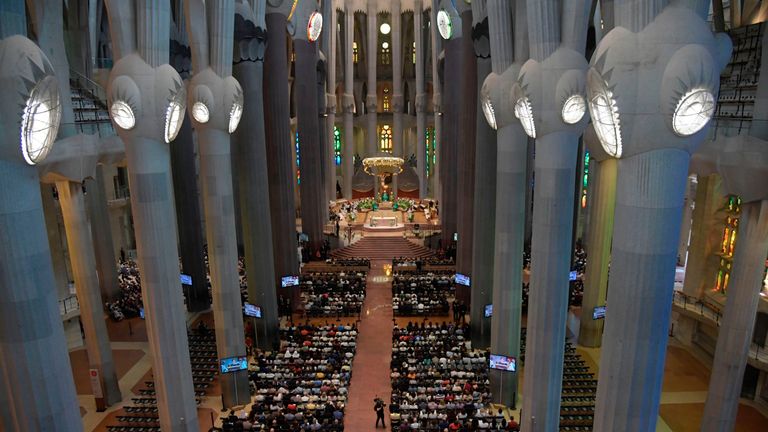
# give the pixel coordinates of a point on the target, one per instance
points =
(122, 114)
(693, 111)
(574, 109)
(40, 121)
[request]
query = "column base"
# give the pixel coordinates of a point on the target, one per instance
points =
(504, 389)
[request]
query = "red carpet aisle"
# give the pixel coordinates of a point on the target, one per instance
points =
(370, 371)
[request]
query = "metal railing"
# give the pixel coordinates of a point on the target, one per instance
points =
(95, 89)
(69, 305)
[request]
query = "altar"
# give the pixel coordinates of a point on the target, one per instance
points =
(383, 221)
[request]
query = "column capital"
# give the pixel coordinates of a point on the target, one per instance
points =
(330, 103)
(398, 103)
(421, 103)
(348, 103)
(371, 103)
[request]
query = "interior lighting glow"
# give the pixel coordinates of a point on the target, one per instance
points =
(693, 111)
(524, 113)
(123, 115)
(40, 121)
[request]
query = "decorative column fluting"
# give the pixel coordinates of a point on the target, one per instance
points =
(602, 196)
(252, 171)
(511, 147)
(308, 128)
(483, 226)
(653, 147)
(33, 350)
(397, 85)
(554, 75)
(279, 149)
(421, 98)
(371, 103)
(83, 260)
(215, 103)
(348, 144)
(465, 150)
(141, 85)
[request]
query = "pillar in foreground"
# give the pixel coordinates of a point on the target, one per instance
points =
(103, 245)
(511, 145)
(602, 198)
(435, 187)
(142, 84)
(371, 102)
(33, 349)
(743, 164)
(81, 252)
(550, 104)
(252, 166)
(654, 152)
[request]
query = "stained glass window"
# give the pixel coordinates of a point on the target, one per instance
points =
(354, 52)
(728, 242)
(385, 139)
(337, 145)
(429, 140)
(585, 180)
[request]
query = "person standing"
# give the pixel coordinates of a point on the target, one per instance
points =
(378, 406)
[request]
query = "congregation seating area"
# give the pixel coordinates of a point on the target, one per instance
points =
(304, 385)
(326, 294)
(141, 415)
(421, 293)
(438, 381)
(129, 303)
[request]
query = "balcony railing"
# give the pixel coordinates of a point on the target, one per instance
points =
(69, 305)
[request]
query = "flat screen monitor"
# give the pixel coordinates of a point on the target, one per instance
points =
(289, 281)
(234, 364)
(504, 363)
(251, 310)
(455, 236)
(141, 313)
(572, 276)
(598, 312)
(488, 310)
(185, 279)
(462, 279)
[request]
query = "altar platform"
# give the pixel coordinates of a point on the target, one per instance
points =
(384, 221)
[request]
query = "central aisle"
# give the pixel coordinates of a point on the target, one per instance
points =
(370, 372)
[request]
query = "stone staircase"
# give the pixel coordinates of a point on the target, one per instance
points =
(383, 248)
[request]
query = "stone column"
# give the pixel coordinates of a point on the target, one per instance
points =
(103, 246)
(397, 86)
(557, 43)
(371, 103)
(87, 285)
(50, 212)
(651, 181)
(253, 167)
(278, 139)
(211, 40)
(706, 236)
(348, 145)
(738, 321)
(449, 137)
(511, 146)
(437, 108)
(186, 190)
(421, 99)
(602, 196)
(685, 228)
(555, 166)
(141, 44)
(483, 229)
(465, 152)
(329, 46)
(309, 129)
(188, 218)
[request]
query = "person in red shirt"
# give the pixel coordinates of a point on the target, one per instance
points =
(512, 425)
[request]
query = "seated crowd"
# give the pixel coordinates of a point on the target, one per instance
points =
(333, 293)
(129, 303)
(349, 262)
(304, 386)
(439, 383)
(421, 293)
